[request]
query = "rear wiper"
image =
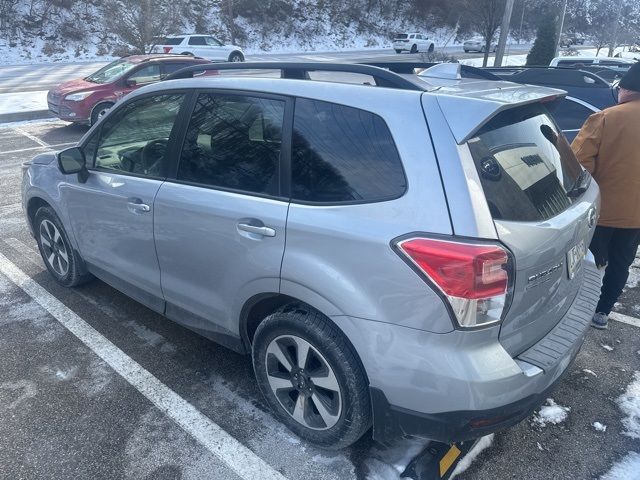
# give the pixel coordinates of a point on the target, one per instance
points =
(581, 185)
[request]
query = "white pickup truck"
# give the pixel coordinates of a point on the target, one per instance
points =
(204, 46)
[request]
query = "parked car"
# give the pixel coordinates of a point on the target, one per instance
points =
(86, 100)
(412, 43)
(570, 39)
(478, 45)
(587, 92)
(570, 61)
(435, 279)
(201, 45)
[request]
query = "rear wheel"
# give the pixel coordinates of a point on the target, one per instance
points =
(186, 53)
(432, 47)
(61, 260)
(311, 378)
(414, 48)
(99, 111)
(236, 57)
(483, 49)
(398, 51)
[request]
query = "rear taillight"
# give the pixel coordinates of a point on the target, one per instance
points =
(474, 278)
(167, 49)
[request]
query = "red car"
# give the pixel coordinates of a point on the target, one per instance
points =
(85, 100)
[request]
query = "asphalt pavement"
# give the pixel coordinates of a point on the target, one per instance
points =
(94, 385)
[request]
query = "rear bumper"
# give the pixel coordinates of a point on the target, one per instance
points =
(464, 390)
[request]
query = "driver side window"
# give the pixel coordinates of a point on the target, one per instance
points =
(134, 139)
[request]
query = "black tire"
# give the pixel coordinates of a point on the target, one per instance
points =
(466, 51)
(398, 51)
(432, 47)
(414, 48)
(236, 57)
(482, 50)
(69, 272)
(99, 111)
(352, 417)
(187, 53)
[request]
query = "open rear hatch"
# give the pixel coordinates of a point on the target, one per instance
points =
(544, 208)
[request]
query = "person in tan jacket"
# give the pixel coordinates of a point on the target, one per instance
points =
(608, 146)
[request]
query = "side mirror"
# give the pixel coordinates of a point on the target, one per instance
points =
(130, 82)
(72, 160)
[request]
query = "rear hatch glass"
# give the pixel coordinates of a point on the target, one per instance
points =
(526, 168)
(402, 36)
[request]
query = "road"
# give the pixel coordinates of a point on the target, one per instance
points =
(94, 385)
(30, 78)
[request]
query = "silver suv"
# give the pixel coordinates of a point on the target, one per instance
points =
(409, 254)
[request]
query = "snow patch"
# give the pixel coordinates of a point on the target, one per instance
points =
(23, 102)
(626, 469)
(467, 460)
(599, 427)
(629, 403)
(389, 463)
(606, 347)
(551, 413)
(586, 370)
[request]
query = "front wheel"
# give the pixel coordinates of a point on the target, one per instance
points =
(61, 260)
(432, 47)
(311, 378)
(398, 51)
(236, 57)
(414, 49)
(99, 111)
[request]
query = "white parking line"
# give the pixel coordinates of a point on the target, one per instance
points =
(232, 453)
(31, 137)
(619, 317)
(50, 147)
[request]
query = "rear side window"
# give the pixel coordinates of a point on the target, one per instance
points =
(234, 142)
(402, 36)
(172, 41)
(197, 41)
(568, 114)
(343, 154)
(525, 166)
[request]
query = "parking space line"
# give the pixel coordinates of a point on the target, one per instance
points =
(51, 147)
(619, 317)
(232, 453)
(30, 137)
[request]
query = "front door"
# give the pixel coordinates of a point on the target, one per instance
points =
(220, 224)
(112, 212)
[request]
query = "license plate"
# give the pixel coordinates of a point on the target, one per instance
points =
(574, 258)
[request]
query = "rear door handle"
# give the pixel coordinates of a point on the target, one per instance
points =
(264, 231)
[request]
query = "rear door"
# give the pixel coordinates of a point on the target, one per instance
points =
(220, 223)
(526, 169)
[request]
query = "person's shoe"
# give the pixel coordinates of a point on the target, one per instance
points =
(600, 321)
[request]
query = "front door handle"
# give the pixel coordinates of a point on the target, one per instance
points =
(264, 231)
(138, 207)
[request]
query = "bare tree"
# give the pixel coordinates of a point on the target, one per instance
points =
(485, 17)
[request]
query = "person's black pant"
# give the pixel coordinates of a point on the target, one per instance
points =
(616, 248)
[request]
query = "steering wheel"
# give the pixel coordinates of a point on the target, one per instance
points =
(152, 154)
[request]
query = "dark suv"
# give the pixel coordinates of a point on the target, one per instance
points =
(85, 100)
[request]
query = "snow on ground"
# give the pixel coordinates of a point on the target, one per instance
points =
(626, 469)
(389, 463)
(467, 460)
(590, 372)
(23, 101)
(551, 413)
(599, 427)
(629, 403)
(608, 348)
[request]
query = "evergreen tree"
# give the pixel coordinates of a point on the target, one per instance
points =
(544, 47)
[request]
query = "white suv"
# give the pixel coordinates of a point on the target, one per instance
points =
(412, 43)
(201, 46)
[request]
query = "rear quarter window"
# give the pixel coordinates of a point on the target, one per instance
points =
(525, 165)
(342, 154)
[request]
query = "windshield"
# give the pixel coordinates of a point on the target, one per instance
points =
(110, 72)
(525, 165)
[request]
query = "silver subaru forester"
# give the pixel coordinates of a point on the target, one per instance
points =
(408, 255)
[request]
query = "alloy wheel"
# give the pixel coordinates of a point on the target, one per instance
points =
(303, 382)
(54, 248)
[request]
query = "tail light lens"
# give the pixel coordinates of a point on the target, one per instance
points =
(474, 278)
(167, 49)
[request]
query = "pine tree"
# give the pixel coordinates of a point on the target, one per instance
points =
(544, 47)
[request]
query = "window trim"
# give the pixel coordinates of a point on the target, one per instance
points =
(346, 202)
(166, 161)
(284, 164)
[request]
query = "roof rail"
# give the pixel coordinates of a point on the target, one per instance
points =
(300, 71)
(466, 71)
